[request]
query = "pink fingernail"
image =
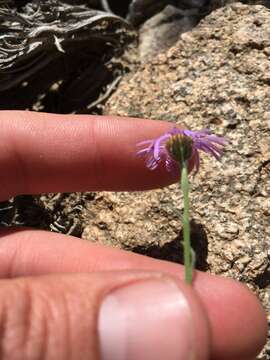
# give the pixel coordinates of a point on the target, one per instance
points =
(146, 320)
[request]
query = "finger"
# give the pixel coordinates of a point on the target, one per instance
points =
(237, 320)
(58, 153)
(99, 316)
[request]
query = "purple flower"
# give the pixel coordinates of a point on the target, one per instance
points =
(156, 151)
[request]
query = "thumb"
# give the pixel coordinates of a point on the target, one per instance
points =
(101, 316)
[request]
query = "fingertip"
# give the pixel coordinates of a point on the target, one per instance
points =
(254, 328)
(246, 332)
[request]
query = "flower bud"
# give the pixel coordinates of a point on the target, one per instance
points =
(180, 147)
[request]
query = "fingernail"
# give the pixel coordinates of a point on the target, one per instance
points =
(146, 320)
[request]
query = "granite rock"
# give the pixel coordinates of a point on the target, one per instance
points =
(217, 76)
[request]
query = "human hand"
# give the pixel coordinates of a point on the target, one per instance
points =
(65, 298)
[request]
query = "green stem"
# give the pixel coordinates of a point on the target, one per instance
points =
(186, 224)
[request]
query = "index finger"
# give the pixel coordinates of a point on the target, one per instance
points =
(42, 152)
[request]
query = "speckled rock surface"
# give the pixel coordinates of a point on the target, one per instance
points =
(217, 76)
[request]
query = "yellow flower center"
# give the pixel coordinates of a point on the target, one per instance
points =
(180, 147)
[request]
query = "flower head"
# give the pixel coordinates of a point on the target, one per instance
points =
(179, 144)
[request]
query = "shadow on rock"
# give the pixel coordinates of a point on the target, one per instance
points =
(263, 280)
(173, 250)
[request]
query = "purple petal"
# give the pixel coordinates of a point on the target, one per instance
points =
(196, 160)
(196, 134)
(155, 150)
(172, 166)
(142, 152)
(158, 143)
(218, 140)
(210, 149)
(151, 163)
(146, 142)
(176, 131)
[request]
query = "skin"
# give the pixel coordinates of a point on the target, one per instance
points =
(55, 153)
